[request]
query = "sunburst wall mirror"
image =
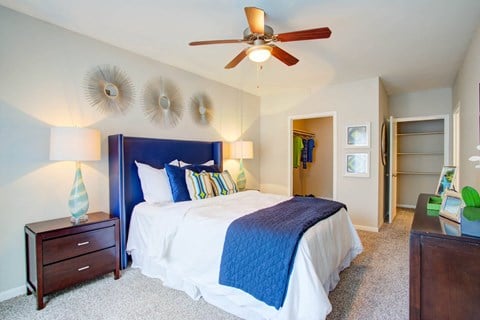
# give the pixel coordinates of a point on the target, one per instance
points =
(162, 103)
(201, 108)
(109, 89)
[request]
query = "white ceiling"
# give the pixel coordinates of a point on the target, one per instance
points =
(411, 44)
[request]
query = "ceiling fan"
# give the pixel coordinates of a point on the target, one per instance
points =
(262, 40)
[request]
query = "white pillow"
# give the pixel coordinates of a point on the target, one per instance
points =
(155, 184)
(199, 185)
(208, 163)
(175, 163)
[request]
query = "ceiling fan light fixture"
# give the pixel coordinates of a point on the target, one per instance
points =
(259, 53)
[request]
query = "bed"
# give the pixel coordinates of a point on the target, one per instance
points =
(181, 243)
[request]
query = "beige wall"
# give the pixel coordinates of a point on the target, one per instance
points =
(421, 103)
(424, 103)
(317, 178)
(466, 97)
(355, 102)
(42, 69)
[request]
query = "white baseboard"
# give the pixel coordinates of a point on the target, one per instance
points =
(12, 293)
(366, 228)
(407, 206)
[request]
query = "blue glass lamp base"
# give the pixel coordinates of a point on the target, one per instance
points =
(78, 201)
(79, 219)
(241, 178)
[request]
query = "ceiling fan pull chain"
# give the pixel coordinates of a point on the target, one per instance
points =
(259, 68)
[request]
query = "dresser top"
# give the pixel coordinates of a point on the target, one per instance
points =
(435, 225)
(62, 223)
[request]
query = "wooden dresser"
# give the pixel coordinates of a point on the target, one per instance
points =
(60, 254)
(444, 269)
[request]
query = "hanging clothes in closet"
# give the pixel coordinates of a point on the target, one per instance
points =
(307, 151)
(303, 144)
(297, 150)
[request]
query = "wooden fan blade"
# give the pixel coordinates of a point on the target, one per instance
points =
(237, 59)
(311, 34)
(201, 43)
(283, 56)
(256, 19)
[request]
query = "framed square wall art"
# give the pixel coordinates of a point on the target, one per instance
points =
(451, 206)
(357, 164)
(358, 135)
(445, 182)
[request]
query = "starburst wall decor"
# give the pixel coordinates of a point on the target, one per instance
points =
(109, 89)
(162, 103)
(201, 108)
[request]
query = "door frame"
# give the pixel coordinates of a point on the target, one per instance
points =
(330, 114)
(392, 170)
(446, 153)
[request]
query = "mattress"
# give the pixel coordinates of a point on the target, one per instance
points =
(182, 243)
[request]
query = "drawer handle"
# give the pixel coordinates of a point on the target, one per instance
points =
(83, 243)
(83, 268)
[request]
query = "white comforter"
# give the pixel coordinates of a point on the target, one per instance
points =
(181, 243)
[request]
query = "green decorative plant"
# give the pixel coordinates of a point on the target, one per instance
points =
(472, 204)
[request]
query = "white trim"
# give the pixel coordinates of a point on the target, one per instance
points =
(406, 206)
(366, 228)
(456, 142)
(333, 115)
(12, 293)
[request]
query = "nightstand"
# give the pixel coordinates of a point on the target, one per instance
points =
(60, 254)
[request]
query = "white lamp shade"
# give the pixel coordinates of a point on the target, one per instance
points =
(77, 144)
(241, 150)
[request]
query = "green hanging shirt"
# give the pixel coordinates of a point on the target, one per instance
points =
(297, 150)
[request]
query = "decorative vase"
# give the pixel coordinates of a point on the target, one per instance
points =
(78, 201)
(241, 178)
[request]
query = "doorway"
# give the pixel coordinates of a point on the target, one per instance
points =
(419, 148)
(313, 163)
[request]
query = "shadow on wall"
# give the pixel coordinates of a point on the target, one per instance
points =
(24, 144)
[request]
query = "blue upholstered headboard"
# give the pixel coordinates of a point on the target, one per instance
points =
(125, 189)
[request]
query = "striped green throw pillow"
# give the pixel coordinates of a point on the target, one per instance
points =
(199, 185)
(223, 183)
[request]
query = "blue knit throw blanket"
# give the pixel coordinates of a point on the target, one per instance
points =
(260, 247)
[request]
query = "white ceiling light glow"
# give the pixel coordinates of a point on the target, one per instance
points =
(259, 53)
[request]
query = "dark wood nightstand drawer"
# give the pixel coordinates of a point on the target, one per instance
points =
(63, 274)
(77, 244)
(60, 254)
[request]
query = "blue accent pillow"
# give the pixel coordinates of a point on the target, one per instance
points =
(176, 177)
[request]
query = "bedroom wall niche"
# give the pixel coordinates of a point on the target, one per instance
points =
(313, 177)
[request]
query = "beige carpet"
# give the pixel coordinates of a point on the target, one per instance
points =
(374, 287)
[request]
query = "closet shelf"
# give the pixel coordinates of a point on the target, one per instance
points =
(419, 133)
(417, 173)
(420, 153)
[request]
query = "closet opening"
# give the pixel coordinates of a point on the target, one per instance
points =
(313, 163)
(419, 148)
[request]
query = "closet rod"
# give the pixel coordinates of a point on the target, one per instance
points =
(303, 133)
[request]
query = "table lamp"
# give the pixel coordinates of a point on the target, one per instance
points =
(241, 150)
(75, 144)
